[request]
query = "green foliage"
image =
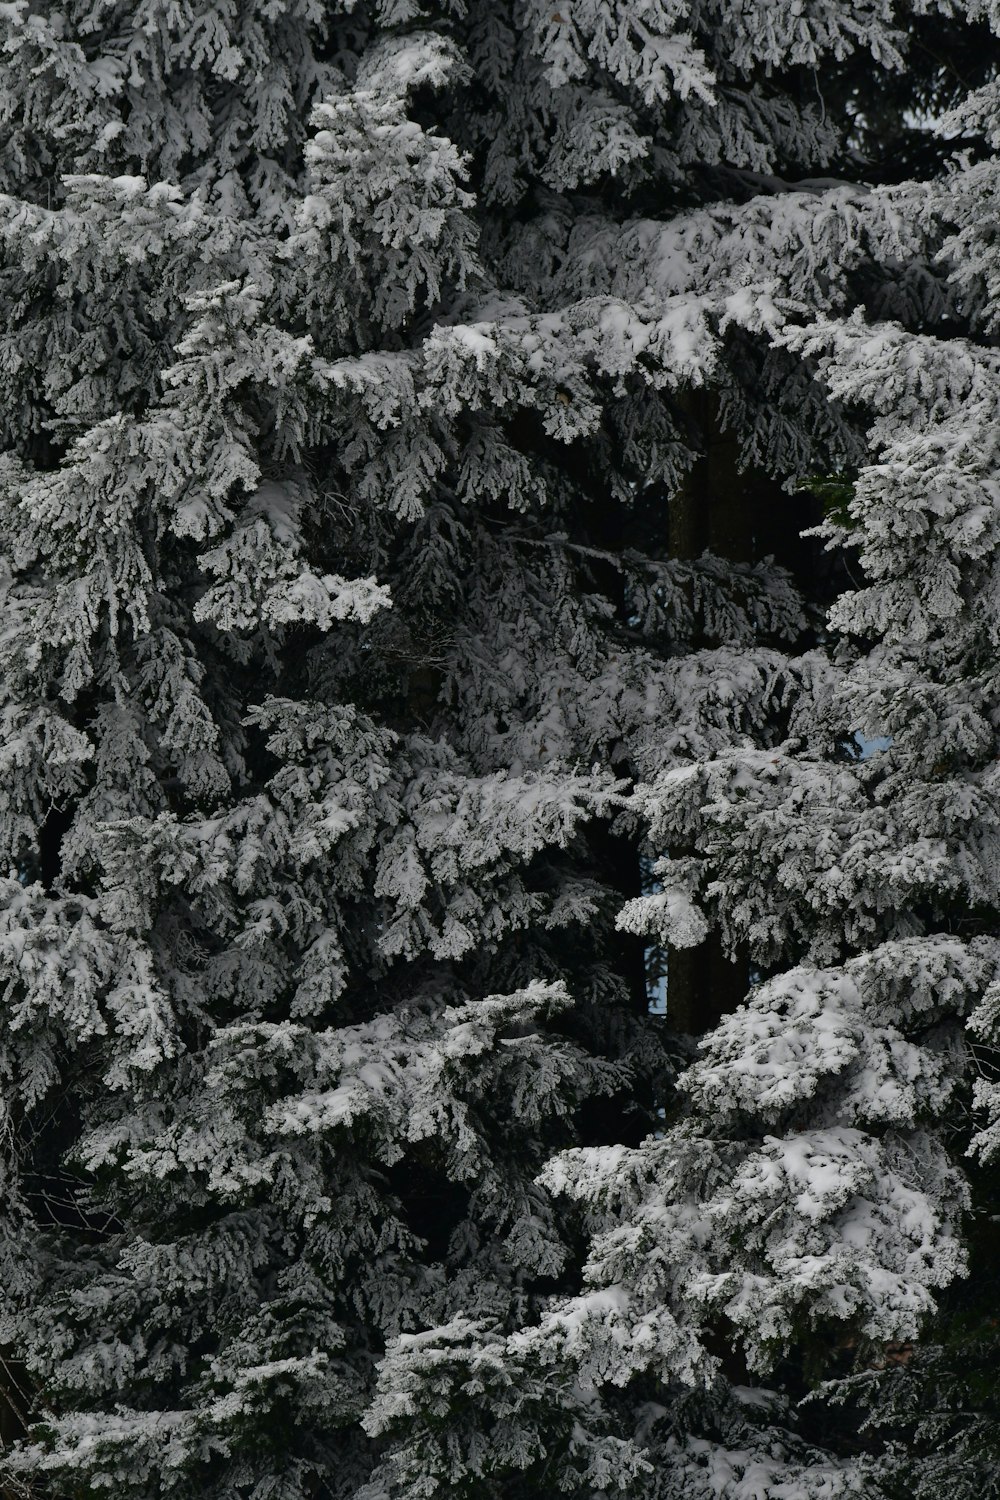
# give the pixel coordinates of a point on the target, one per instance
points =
(835, 492)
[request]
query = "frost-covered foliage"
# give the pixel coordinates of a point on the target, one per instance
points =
(811, 1190)
(345, 347)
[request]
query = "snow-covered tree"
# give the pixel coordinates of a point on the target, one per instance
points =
(811, 1194)
(358, 363)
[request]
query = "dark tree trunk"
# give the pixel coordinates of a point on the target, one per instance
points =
(715, 512)
(616, 863)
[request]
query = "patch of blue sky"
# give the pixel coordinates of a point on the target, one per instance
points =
(869, 747)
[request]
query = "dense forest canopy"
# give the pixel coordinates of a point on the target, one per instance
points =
(499, 508)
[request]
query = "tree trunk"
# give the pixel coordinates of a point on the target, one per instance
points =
(713, 512)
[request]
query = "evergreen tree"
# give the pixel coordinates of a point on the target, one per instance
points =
(811, 1197)
(357, 364)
